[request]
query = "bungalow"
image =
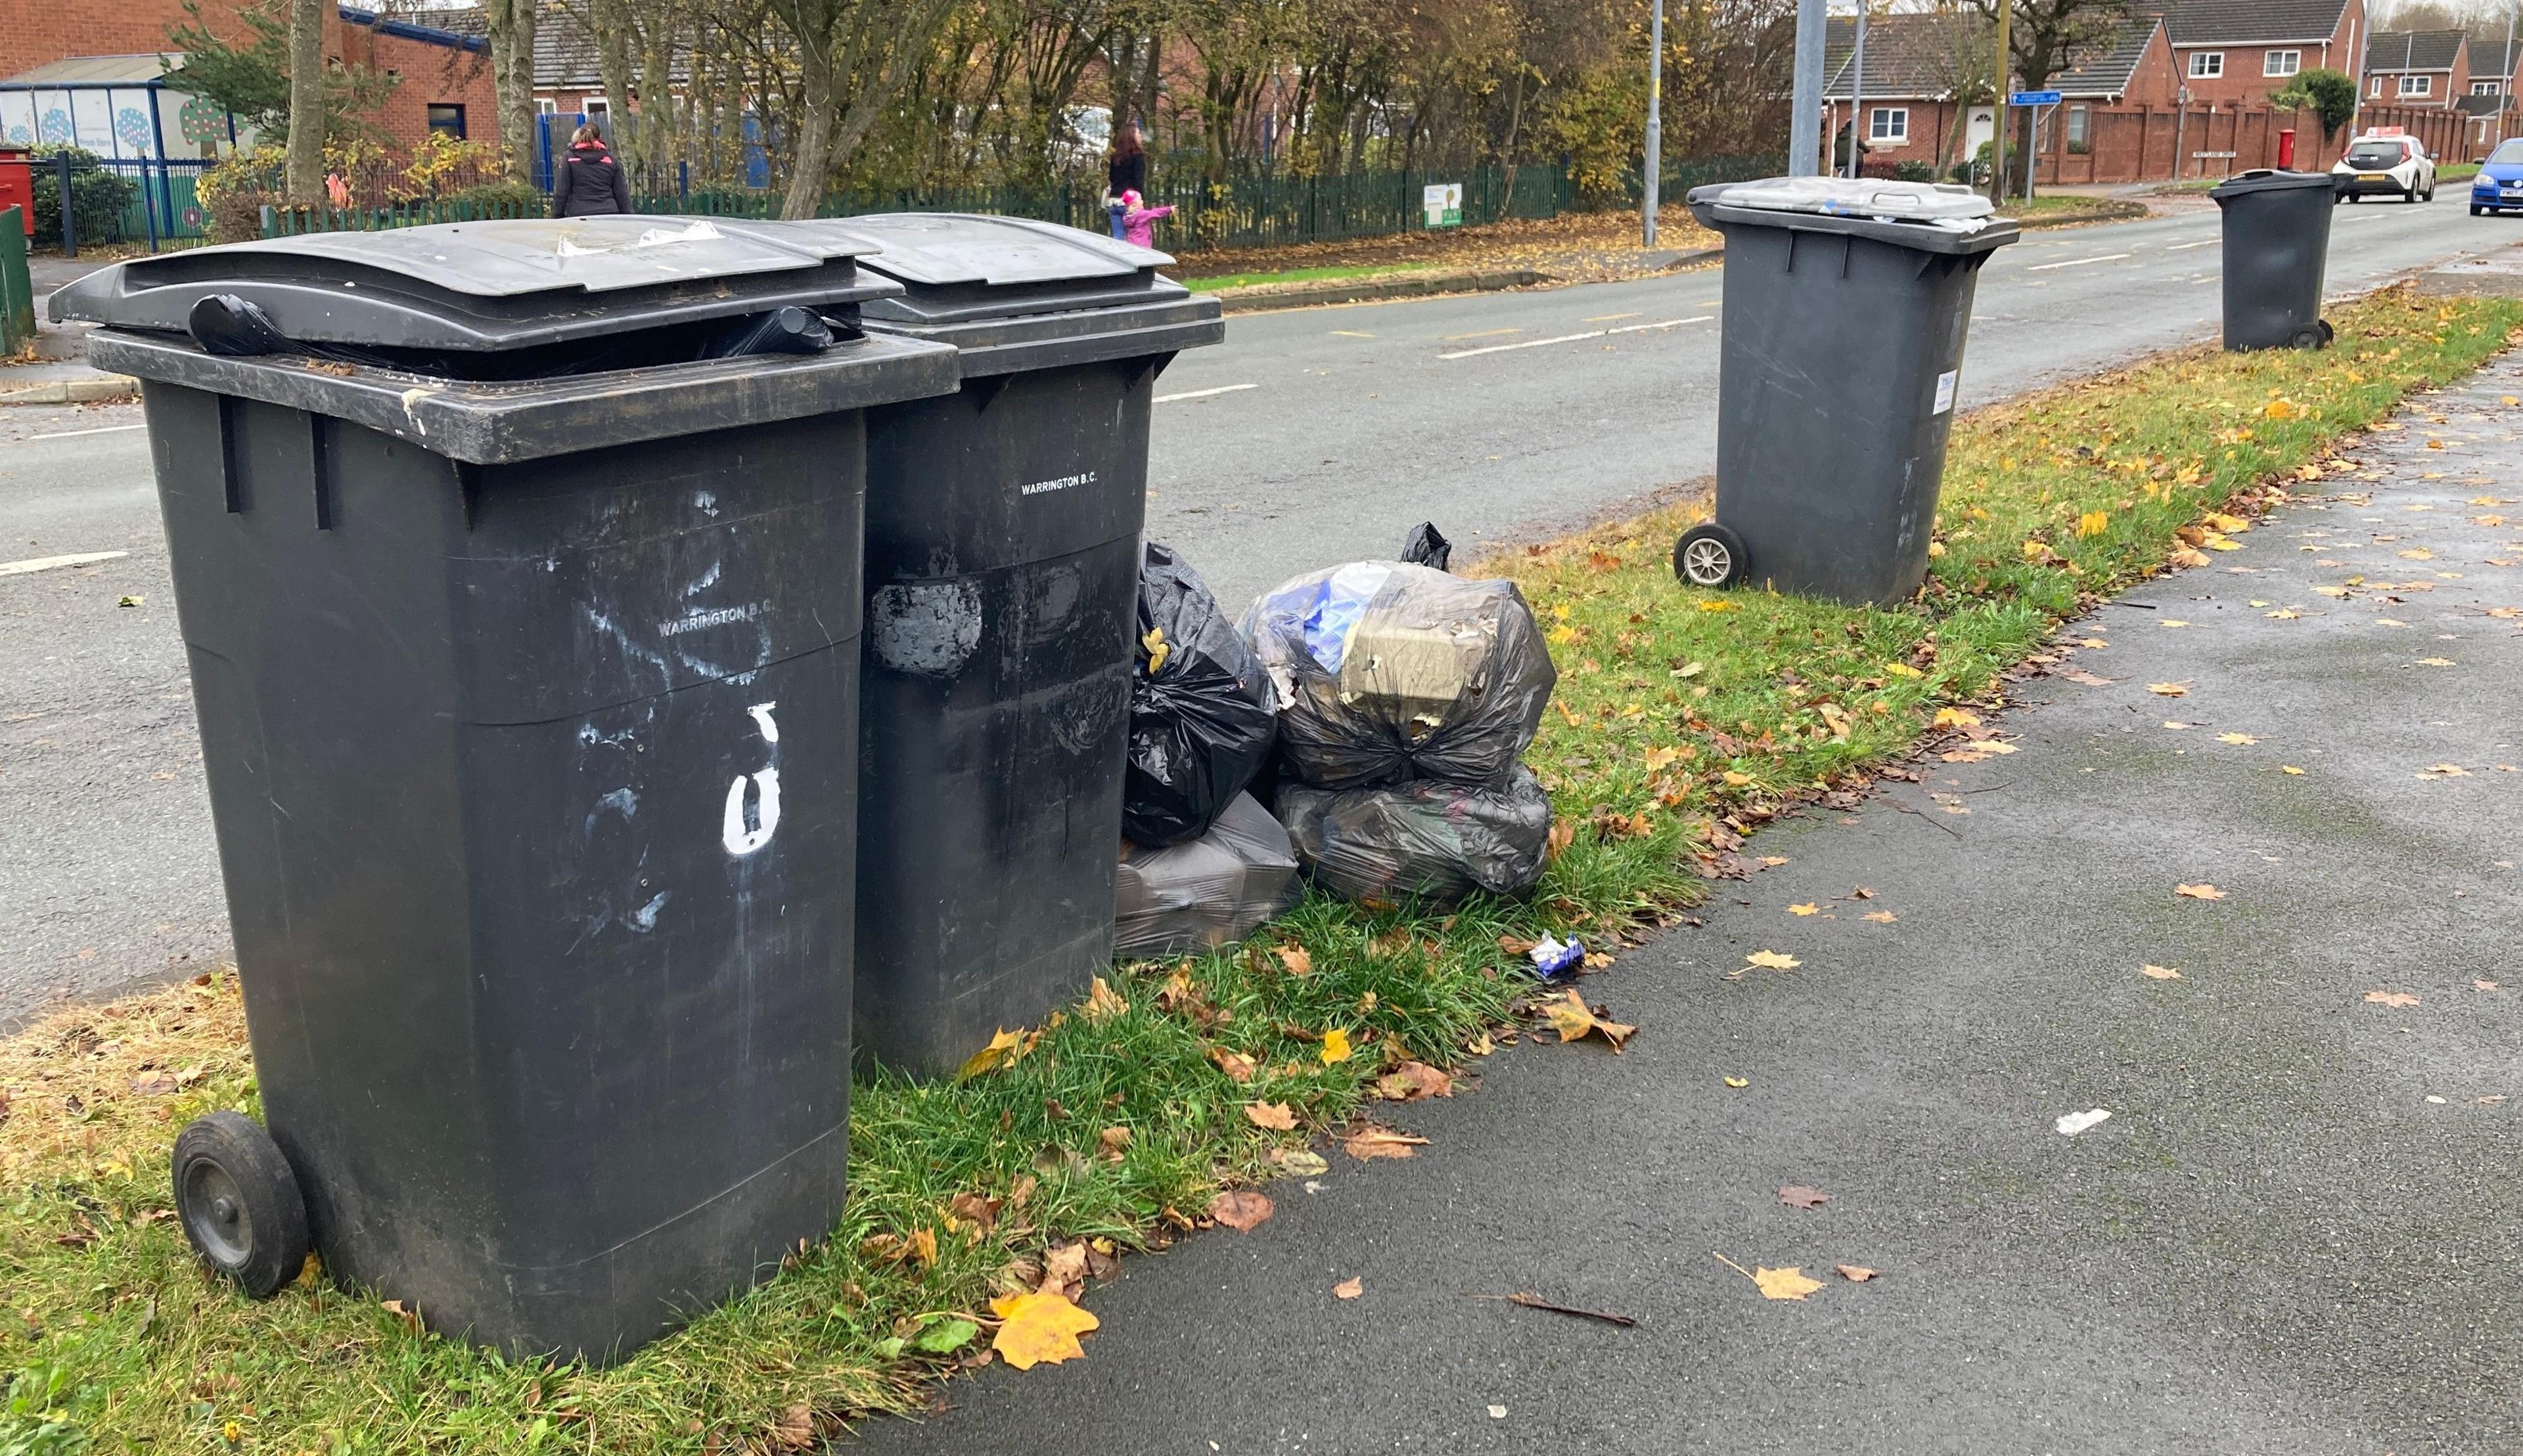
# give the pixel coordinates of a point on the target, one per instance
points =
(2417, 68)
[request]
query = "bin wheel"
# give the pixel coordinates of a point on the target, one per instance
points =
(2328, 334)
(1709, 555)
(239, 1202)
(2307, 337)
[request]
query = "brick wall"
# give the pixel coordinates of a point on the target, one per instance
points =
(431, 74)
(2138, 144)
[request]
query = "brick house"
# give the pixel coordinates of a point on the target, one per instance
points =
(2236, 53)
(446, 78)
(2425, 69)
(2490, 99)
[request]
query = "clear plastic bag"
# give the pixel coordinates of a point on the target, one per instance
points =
(1208, 892)
(1202, 720)
(1387, 671)
(1424, 840)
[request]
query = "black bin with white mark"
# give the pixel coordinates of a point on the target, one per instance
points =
(1847, 303)
(524, 637)
(2276, 248)
(1002, 577)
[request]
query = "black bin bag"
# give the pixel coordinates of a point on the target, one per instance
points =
(1427, 841)
(1387, 671)
(1201, 717)
(1206, 892)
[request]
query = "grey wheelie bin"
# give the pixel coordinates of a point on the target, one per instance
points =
(520, 590)
(2277, 242)
(1846, 307)
(1002, 577)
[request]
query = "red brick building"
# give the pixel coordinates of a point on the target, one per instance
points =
(2496, 69)
(2237, 53)
(445, 75)
(2424, 69)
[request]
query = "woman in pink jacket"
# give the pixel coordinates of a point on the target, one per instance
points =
(1139, 221)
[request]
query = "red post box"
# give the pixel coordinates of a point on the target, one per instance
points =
(2286, 149)
(18, 184)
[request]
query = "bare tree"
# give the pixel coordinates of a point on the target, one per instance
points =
(305, 166)
(854, 57)
(511, 25)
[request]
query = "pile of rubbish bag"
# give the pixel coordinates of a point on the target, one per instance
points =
(1202, 862)
(1407, 698)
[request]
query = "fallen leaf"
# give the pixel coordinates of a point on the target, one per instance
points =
(1063, 1265)
(1784, 1284)
(1882, 916)
(975, 1210)
(2237, 739)
(1773, 961)
(1956, 718)
(2172, 622)
(2479, 985)
(2071, 1123)
(2178, 726)
(1854, 1273)
(2395, 999)
(1901, 670)
(1234, 1064)
(2089, 680)
(1240, 1208)
(1304, 1163)
(2286, 614)
(1296, 960)
(1113, 1141)
(1349, 1288)
(2435, 662)
(1797, 1196)
(1570, 1017)
(1770, 862)
(2198, 892)
(1412, 1081)
(1273, 1115)
(1369, 1143)
(1563, 832)
(129, 602)
(1738, 1083)
(153, 1084)
(2289, 768)
(408, 1316)
(1039, 1329)
(1005, 1048)
(1497, 1412)
(1807, 909)
(945, 1337)
(2168, 689)
(1335, 1046)
(1103, 1003)
(2445, 770)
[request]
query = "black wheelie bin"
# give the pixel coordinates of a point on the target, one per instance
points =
(1847, 302)
(2278, 244)
(520, 584)
(1002, 577)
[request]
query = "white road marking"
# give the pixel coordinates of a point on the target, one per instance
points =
(1223, 389)
(2074, 262)
(47, 563)
(1632, 328)
(103, 430)
(1350, 334)
(2201, 242)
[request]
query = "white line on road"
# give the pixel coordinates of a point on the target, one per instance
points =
(47, 563)
(2201, 242)
(1223, 389)
(2074, 262)
(1632, 328)
(102, 430)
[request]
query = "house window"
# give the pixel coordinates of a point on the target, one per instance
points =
(2281, 62)
(2377, 89)
(2418, 85)
(545, 106)
(1890, 126)
(2078, 137)
(595, 107)
(2204, 64)
(2487, 88)
(447, 118)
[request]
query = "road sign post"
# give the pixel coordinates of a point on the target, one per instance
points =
(2034, 101)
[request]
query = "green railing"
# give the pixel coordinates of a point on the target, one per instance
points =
(286, 222)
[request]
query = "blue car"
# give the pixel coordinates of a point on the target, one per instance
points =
(2498, 187)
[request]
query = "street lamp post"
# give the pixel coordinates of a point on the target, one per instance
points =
(1997, 131)
(1655, 123)
(1804, 128)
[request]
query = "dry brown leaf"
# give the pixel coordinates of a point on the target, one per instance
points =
(1297, 958)
(2392, 998)
(2089, 680)
(1063, 1265)
(794, 1430)
(1563, 834)
(1854, 1273)
(409, 1316)
(975, 1210)
(2198, 892)
(1240, 1208)
(1113, 1143)
(1881, 916)
(2479, 985)
(1797, 1196)
(1276, 1116)
(1516, 945)
(1103, 1003)
(922, 1247)
(1369, 1143)
(1234, 1064)
(1413, 1080)
(1349, 1288)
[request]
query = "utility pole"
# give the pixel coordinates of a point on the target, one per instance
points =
(1804, 128)
(1655, 123)
(1857, 127)
(2003, 65)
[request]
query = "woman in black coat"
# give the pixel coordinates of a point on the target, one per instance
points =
(587, 181)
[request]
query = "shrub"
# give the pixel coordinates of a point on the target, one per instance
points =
(1915, 171)
(98, 197)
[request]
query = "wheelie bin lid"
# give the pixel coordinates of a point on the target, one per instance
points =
(494, 285)
(1016, 293)
(1928, 217)
(2269, 179)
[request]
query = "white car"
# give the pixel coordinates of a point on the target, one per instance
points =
(2386, 164)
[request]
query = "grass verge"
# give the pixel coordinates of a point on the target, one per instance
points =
(1684, 719)
(1308, 275)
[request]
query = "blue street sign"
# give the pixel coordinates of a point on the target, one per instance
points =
(2035, 98)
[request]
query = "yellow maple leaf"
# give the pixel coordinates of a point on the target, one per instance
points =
(2168, 689)
(1882, 916)
(1773, 961)
(1901, 670)
(1039, 1329)
(2219, 521)
(2237, 739)
(1570, 1016)
(1158, 649)
(1956, 718)
(2036, 550)
(1784, 1284)
(1807, 909)
(1003, 1048)
(2198, 892)
(1717, 606)
(1103, 1003)
(2289, 768)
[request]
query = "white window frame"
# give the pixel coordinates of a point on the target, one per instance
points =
(2281, 62)
(2081, 127)
(545, 106)
(2418, 85)
(594, 107)
(2377, 88)
(2207, 66)
(2487, 88)
(1888, 126)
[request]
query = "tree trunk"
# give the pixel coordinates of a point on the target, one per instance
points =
(306, 157)
(813, 152)
(511, 27)
(611, 21)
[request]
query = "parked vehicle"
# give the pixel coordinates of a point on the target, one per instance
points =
(2498, 187)
(2386, 162)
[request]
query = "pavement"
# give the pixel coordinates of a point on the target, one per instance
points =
(2295, 1233)
(1310, 437)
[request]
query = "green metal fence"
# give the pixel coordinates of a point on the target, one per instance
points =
(285, 221)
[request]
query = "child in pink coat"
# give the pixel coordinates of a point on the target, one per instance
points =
(1139, 223)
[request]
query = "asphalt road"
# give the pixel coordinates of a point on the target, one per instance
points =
(2294, 1234)
(1309, 438)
